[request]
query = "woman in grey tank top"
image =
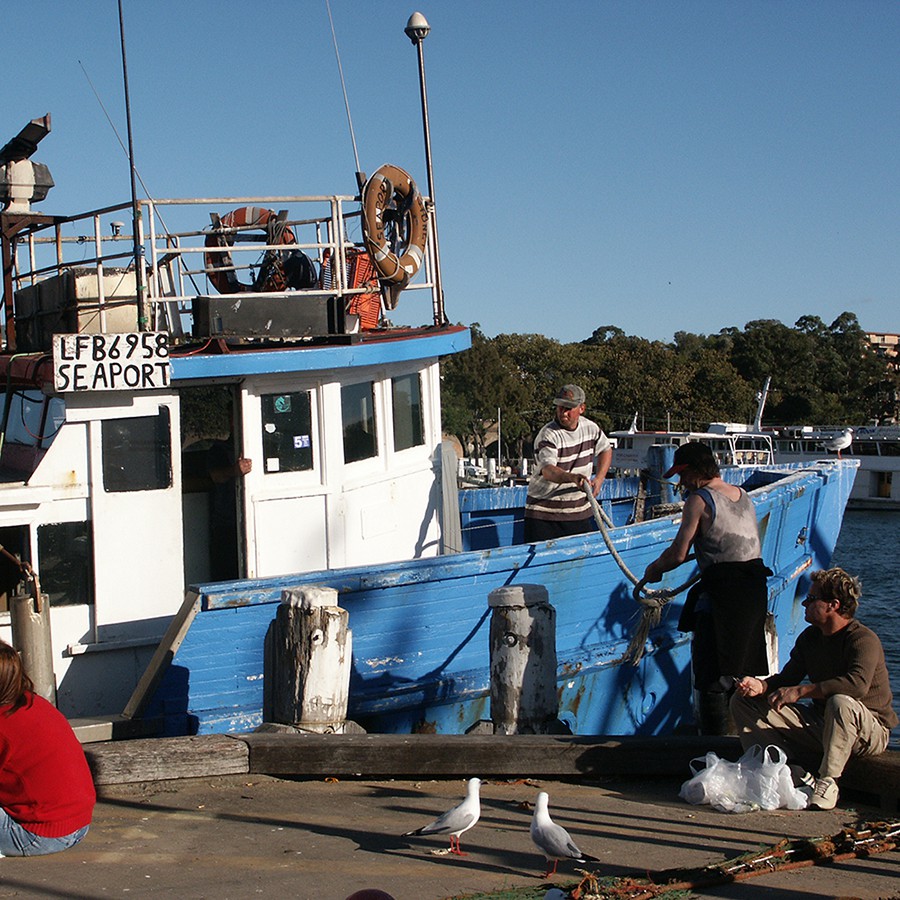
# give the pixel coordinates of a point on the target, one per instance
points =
(726, 610)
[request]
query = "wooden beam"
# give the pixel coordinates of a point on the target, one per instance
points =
(161, 759)
(440, 756)
(430, 755)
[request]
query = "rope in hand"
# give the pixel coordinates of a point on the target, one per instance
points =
(652, 600)
(28, 575)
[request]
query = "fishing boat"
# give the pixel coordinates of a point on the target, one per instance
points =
(214, 410)
(875, 447)
(732, 443)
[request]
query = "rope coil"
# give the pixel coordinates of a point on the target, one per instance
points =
(652, 600)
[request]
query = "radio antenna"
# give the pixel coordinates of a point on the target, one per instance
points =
(143, 321)
(360, 177)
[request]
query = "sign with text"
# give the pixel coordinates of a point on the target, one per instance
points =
(111, 362)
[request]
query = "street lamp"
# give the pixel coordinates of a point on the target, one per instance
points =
(417, 29)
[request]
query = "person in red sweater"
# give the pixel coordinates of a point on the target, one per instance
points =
(46, 791)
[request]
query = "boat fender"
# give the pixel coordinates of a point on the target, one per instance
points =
(278, 271)
(391, 195)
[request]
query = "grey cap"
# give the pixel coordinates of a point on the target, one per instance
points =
(569, 396)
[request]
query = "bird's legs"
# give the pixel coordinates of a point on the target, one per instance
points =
(551, 869)
(454, 845)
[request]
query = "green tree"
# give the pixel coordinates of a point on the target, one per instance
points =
(475, 384)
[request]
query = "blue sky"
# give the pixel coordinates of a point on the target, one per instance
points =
(657, 166)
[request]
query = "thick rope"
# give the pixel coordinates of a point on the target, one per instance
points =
(852, 842)
(652, 600)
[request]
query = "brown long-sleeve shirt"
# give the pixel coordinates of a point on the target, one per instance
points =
(849, 662)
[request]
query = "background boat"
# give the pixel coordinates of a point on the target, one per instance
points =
(876, 447)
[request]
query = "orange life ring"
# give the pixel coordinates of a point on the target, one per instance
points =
(391, 191)
(220, 266)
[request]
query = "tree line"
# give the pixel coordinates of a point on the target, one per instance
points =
(820, 374)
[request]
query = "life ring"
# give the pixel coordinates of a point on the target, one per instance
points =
(391, 193)
(220, 266)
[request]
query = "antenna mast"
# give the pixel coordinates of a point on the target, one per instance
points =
(143, 322)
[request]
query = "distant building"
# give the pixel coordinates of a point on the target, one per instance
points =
(887, 346)
(884, 344)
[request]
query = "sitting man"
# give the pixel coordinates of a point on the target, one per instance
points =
(836, 662)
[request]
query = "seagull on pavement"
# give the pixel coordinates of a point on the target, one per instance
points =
(457, 820)
(840, 442)
(553, 840)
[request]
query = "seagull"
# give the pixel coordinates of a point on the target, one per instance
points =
(457, 820)
(840, 441)
(553, 840)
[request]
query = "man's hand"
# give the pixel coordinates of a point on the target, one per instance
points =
(750, 686)
(784, 695)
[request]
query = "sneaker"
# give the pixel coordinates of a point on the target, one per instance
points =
(825, 795)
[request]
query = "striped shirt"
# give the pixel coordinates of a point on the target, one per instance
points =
(573, 451)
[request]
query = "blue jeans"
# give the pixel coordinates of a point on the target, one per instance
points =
(18, 841)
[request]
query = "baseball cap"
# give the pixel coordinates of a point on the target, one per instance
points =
(690, 455)
(569, 396)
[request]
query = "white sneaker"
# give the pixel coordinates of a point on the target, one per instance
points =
(825, 795)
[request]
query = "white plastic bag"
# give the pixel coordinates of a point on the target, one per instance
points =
(760, 779)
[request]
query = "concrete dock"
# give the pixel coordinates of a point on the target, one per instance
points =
(228, 837)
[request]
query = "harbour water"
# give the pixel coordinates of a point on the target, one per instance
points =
(868, 547)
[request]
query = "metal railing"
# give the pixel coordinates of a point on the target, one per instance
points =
(176, 260)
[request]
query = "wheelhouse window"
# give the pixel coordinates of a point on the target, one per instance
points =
(287, 432)
(66, 567)
(358, 417)
(409, 428)
(137, 453)
(32, 421)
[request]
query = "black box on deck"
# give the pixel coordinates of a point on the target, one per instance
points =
(278, 316)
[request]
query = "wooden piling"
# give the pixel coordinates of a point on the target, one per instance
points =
(311, 651)
(29, 612)
(523, 660)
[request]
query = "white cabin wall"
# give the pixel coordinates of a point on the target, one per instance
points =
(100, 650)
(65, 463)
(370, 511)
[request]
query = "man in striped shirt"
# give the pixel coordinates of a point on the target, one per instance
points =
(570, 452)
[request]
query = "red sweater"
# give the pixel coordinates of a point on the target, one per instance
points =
(45, 782)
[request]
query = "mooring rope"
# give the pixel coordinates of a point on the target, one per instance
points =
(652, 600)
(865, 839)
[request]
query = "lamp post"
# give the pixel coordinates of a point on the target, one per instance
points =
(417, 29)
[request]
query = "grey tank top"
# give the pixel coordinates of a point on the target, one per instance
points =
(733, 535)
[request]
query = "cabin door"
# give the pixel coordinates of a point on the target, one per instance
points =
(135, 512)
(214, 468)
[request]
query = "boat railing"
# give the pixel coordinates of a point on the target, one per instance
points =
(47, 255)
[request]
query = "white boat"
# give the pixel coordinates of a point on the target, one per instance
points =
(732, 445)
(877, 447)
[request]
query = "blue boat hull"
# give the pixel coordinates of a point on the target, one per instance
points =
(420, 628)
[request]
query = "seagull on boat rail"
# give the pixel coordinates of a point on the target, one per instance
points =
(457, 820)
(553, 840)
(839, 442)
